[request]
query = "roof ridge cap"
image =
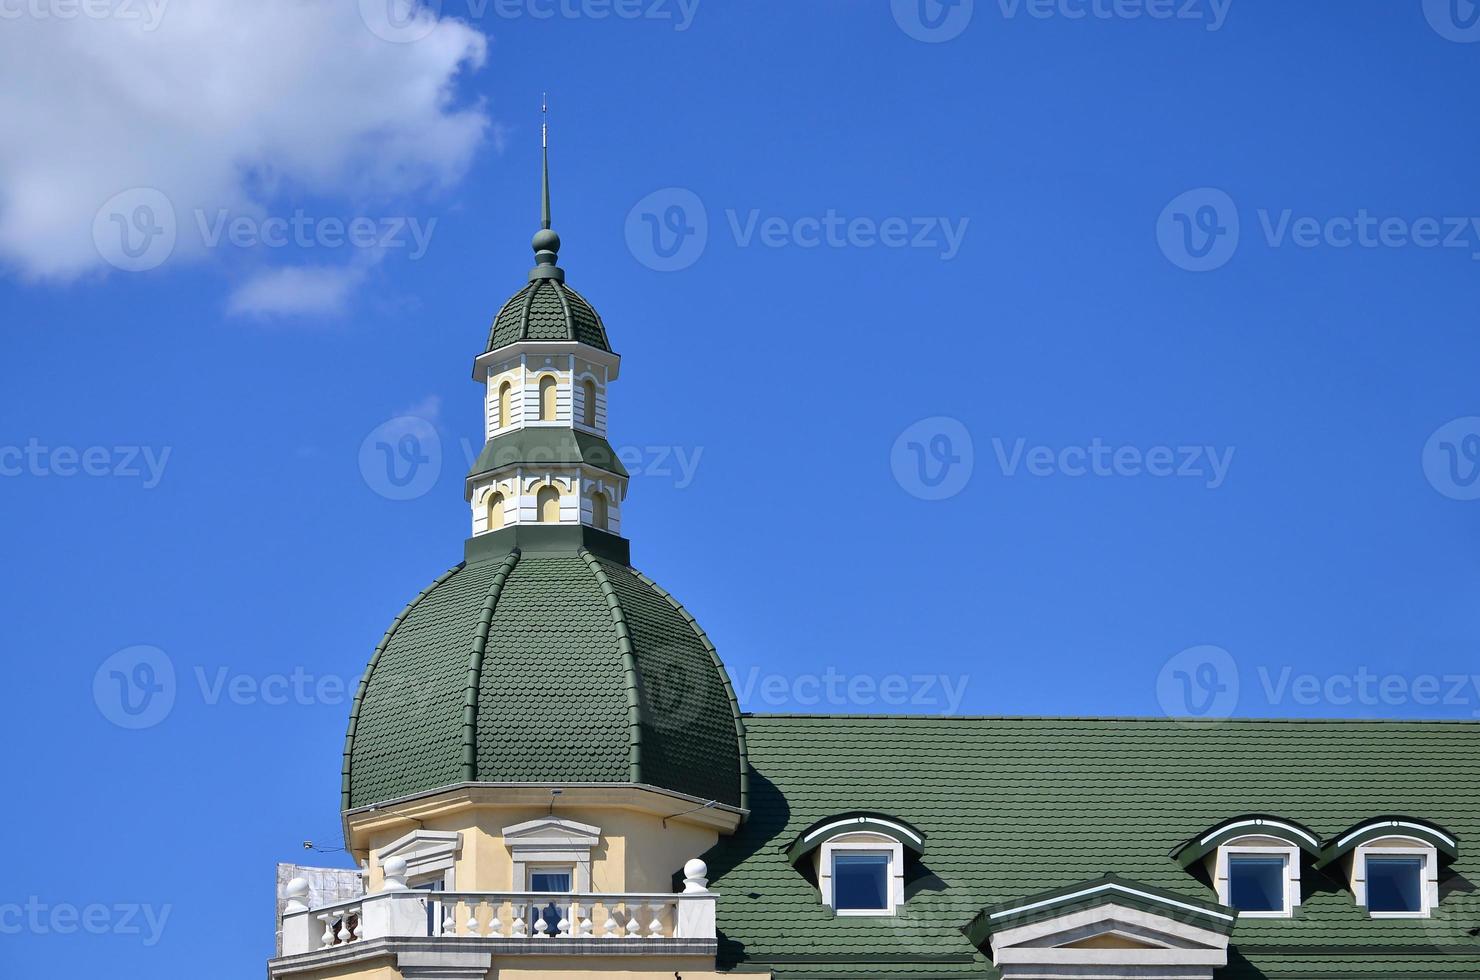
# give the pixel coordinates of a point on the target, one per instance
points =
(724, 674)
(354, 708)
(534, 289)
(570, 321)
(475, 666)
(629, 665)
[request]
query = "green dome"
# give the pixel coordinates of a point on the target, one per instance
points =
(544, 668)
(547, 309)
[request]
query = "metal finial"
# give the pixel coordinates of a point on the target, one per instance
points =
(545, 147)
(546, 243)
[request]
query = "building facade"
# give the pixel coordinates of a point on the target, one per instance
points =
(547, 773)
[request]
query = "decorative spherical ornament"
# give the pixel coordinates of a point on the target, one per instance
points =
(545, 240)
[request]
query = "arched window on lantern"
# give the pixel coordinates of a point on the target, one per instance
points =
(588, 403)
(505, 404)
(547, 503)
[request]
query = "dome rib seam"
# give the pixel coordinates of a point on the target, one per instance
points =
(724, 674)
(524, 313)
(629, 666)
(354, 709)
(475, 667)
(570, 321)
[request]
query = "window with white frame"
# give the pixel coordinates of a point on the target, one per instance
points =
(549, 879)
(1396, 877)
(862, 874)
(1259, 876)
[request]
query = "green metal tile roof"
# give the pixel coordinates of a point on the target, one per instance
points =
(541, 445)
(543, 667)
(547, 309)
(1016, 807)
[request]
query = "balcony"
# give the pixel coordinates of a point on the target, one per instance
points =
(470, 928)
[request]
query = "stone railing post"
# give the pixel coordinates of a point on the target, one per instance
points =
(694, 918)
(300, 929)
(395, 910)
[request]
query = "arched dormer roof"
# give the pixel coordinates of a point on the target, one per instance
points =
(1376, 828)
(1194, 849)
(856, 822)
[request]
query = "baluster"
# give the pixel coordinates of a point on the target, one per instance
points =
(562, 928)
(449, 919)
(359, 924)
(584, 925)
(327, 939)
(473, 906)
(495, 926)
(610, 929)
(634, 919)
(521, 925)
(655, 927)
(541, 927)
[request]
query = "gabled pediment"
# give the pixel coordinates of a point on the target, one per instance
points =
(552, 832)
(1108, 929)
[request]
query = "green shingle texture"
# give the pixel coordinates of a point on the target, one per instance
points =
(545, 668)
(1016, 807)
(547, 309)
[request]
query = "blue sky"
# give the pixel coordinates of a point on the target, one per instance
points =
(1059, 254)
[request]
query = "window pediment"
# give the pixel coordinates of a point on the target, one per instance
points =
(856, 822)
(1251, 825)
(1109, 927)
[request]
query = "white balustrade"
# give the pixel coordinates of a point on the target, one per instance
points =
(399, 912)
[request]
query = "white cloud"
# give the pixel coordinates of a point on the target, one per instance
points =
(217, 105)
(298, 290)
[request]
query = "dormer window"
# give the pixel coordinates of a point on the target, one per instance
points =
(1395, 885)
(1253, 863)
(859, 860)
(1256, 883)
(1392, 864)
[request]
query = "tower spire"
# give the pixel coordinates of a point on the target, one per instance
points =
(545, 149)
(546, 243)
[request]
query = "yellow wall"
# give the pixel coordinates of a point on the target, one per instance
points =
(636, 852)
